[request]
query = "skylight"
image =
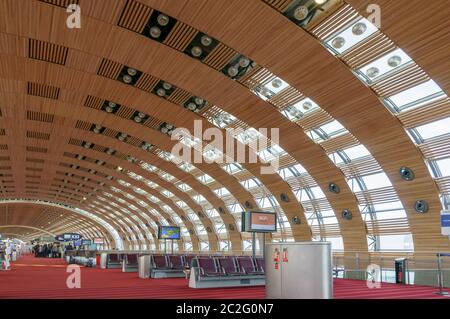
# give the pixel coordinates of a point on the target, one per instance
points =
(434, 129)
(415, 95)
(151, 184)
(223, 119)
(332, 128)
(248, 136)
(212, 154)
(205, 179)
(384, 65)
(348, 38)
(184, 187)
(187, 167)
(148, 167)
(167, 177)
(232, 168)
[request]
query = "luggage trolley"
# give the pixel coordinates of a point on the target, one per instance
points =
(440, 275)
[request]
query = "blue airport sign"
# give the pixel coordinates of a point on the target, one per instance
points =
(71, 236)
(68, 237)
(445, 220)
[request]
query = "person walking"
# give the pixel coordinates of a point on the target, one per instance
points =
(8, 251)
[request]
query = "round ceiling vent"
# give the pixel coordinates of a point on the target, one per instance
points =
(421, 206)
(296, 220)
(346, 214)
(407, 174)
(334, 188)
(284, 197)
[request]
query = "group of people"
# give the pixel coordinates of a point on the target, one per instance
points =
(6, 255)
(48, 250)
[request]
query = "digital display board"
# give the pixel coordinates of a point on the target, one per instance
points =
(168, 232)
(86, 242)
(99, 241)
(261, 222)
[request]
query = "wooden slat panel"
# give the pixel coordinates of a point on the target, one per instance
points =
(135, 16)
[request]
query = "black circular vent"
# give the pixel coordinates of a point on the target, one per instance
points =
(284, 197)
(334, 188)
(231, 227)
(296, 220)
(346, 214)
(221, 210)
(407, 174)
(248, 204)
(421, 206)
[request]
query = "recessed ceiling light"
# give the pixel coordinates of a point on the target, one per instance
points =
(373, 72)
(196, 51)
(232, 71)
(155, 32)
(394, 61)
(167, 86)
(161, 92)
(206, 41)
(163, 19)
(338, 42)
(127, 79)
(244, 62)
(359, 28)
(301, 13)
(276, 83)
(131, 71)
(192, 106)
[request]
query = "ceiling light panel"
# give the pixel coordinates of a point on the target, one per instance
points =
(200, 46)
(354, 34)
(158, 26)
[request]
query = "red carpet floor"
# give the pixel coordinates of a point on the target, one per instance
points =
(46, 278)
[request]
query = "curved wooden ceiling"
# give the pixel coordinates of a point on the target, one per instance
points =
(56, 81)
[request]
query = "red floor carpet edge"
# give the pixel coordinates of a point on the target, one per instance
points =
(42, 278)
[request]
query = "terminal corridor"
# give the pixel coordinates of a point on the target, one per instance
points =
(225, 149)
(46, 278)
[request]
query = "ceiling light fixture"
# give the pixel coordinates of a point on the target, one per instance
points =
(359, 28)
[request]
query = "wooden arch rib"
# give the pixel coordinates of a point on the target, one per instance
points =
(348, 204)
(159, 139)
(301, 61)
(37, 216)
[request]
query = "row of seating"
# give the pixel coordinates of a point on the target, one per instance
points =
(227, 271)
(204, 271)
(230, 266)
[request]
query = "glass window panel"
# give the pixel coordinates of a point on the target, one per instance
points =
(332, 127)
(336, 243)
(444, 166)
(376, 181)
(415, 93)
(396, 242)
(356, 152)
(330, 220)
(434, 129)
(317, 192)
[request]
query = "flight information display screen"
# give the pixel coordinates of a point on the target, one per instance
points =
(169, 232)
